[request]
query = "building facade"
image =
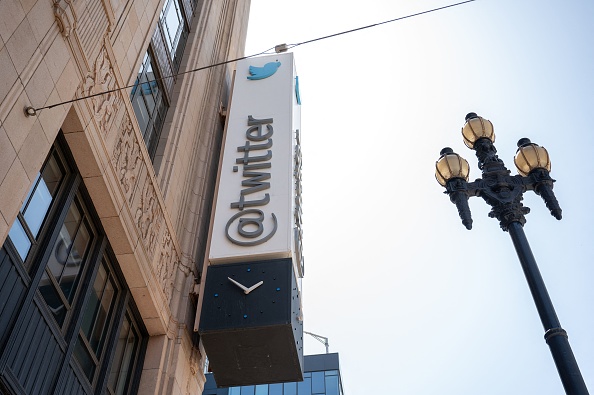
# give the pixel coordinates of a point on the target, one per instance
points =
(105, 201)
(321, 376)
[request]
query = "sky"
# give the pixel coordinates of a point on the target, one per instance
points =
(412, 301)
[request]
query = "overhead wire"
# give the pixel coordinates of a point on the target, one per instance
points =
(278, 48)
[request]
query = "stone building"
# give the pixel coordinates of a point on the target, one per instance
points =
(105, 202)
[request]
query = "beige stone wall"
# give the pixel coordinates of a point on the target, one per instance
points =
(53, 51)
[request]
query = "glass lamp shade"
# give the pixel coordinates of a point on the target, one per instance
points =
(530, 156)
(450, 165)
(475, 128)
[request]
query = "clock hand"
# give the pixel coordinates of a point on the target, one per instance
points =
(239, 285)
(250, 289)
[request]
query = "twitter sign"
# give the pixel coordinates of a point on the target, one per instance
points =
(259, 73)
(258, 202)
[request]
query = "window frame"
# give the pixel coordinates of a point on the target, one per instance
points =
(151, 132)
(72, 191)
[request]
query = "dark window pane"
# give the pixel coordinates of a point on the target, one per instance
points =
(52, 298)
(93, 302)
(332, 385)
(126, 352)
(102, 321)
(119, 354)
(74, 264)
(59, 258)
(67, 260)
(98, 309)
(148, 103)
(275, 389)
(84, 359)
(19, 239)
(317, 382)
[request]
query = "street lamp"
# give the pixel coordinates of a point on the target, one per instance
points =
(503, 192)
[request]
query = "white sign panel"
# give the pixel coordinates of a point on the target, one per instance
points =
(258, 206)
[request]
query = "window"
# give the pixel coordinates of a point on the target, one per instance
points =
(148, 103)
(275, 389)
(262, 389)
(247, 390)
(172, 22)
(290, 389)
(153, 88)
(317, 382)
(96, 321)
(65, 264)
(67, 256)
(126, 356)
(25, 230)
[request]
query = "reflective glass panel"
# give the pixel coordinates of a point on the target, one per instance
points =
(172, 25)
(332, 385)
(248, 390)
(304, 387)
(46, 187)
(262, 389)
(119, 354)
(234, 391)
(19, 239)
(36, 206)
(317, 382)
(290, 388)
(123, 364)
(148, 86)
(275, 389)
(84, 359)
(58, 260)
(52, 298)
(98, 309)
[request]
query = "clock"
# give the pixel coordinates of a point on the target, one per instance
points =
(250, 323)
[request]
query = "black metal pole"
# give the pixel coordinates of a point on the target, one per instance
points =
(555, 336)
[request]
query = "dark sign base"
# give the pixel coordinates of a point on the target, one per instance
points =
(253, 356)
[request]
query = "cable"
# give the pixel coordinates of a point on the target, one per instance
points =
(33, 111)
(30, 111)
(378, 24)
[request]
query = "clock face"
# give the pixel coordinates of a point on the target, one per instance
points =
(250, 323)
(249, 294)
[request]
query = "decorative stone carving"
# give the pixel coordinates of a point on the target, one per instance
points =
(195, 360)
(166, 264)
(102, 79)
(149, 216)
(127, 157)
(65, 16)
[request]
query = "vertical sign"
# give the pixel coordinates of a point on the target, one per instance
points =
(258, 205)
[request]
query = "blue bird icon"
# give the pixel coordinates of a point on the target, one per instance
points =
(259, 73)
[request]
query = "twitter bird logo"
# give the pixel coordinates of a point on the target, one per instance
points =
(259, 73)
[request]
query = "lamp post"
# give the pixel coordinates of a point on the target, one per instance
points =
(503, 192)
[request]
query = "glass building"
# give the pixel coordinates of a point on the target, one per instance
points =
(321, 376)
